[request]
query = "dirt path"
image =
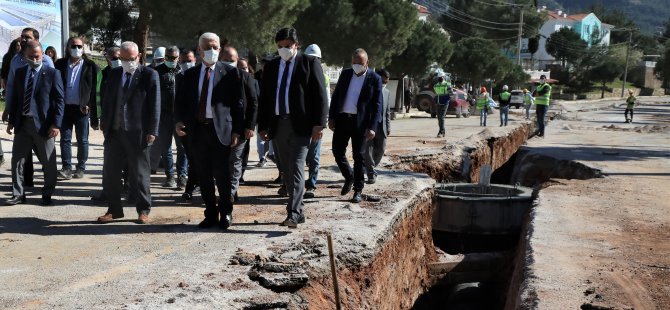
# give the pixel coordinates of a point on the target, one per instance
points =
(603, 242)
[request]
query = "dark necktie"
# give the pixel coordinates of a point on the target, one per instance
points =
(126, 85)
(202, 103)
(29, 92)
(282, 90)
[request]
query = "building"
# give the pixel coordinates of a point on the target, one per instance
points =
(584, 24)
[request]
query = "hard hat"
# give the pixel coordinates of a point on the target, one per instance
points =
(482, 89)
(630, 91)
(440, 73)
(525, 90)
(313, 50)
(159, 53)
(505, 87)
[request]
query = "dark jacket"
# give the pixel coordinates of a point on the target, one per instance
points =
(48, 94)
(308, 103)
(168, 80)
(370, 103)
(227, 101)
(142, 102)
(87, 83)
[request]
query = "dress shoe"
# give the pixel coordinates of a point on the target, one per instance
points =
(226, 221)
(282, 191)
(346, 188)
(358, 197)
(372, 178)
(142, 218)
(108, 217)
(187, 196)
(15, 200)
(208, 223)
(47, 201)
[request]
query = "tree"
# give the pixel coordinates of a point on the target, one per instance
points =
(108, 20)
(249, 24)
(533, 46)
(427, 45)
(513, 74)
(566, 45)
(662, 68)
(381, 27)
(476, 59)
(605, 72)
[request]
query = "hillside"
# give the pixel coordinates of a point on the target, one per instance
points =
(650, 15)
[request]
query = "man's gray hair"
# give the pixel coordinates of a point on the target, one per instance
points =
(172, 49)
(208, 36)
(112, 50)
(359, 51)
(130, 46)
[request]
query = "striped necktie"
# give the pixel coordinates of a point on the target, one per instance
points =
(29, 92)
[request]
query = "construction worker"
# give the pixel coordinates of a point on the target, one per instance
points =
(528, 101)
(482, 104)
(542, 103)
(630, 104)
(442, 98)
(504, 98)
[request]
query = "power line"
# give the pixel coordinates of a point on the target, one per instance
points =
(480, 19)
(503, 4)
(458, 18)
(473, 36)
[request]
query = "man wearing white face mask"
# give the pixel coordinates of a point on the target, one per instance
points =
(187, 59)
(355, 112)
(229, 56)
(293, 112)
(209, 108)
(161, 151)
(80, 78)
(129, 122)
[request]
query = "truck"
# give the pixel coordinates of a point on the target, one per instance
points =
(424, 98)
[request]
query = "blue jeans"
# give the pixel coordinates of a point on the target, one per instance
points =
(541, 112)
(504, 115)
(482, 116)
(161, 150)
(72, 116)
(262, 146)
(313, 158)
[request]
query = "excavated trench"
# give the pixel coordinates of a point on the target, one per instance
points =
(408, 271)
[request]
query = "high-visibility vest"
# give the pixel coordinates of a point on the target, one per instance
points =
(504, 96)
(527, 99)
(482, 101)
(442, 92)
(543, 99)
(631, 102)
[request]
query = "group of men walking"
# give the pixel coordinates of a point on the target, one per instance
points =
(212, 108)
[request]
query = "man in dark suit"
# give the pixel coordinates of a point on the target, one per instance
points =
(354, 114)
(37, 115)
(129, 122)
(80, 76)
(209, 108)
(293, 111)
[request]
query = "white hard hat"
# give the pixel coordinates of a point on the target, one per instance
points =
(313, 50)
(440, 73)
(159, 53)
(505, 87)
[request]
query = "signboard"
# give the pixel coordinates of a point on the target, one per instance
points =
(44, 15)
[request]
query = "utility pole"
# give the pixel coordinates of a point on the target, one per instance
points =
(625, 73)
(518, 50)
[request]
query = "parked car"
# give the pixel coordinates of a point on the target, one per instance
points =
(517, 99)
(459, 104)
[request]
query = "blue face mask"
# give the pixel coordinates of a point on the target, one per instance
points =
(171, 64)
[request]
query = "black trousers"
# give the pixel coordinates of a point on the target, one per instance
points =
(346, 129)
(213, 169)
(121, 149)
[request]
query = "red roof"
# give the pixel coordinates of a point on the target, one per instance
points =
(422, 9)
(578, 16)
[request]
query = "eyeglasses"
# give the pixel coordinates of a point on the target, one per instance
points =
(77, 46)
(171, 58)
(114, 58)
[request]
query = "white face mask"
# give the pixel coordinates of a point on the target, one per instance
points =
(115, 63)
(234, 64)
(171, 64)
(358, 68)
(34, 63)
(76, 52)
(286, 53)
(543, 81)
(188, 65)
(211, 56)
(129, 66)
